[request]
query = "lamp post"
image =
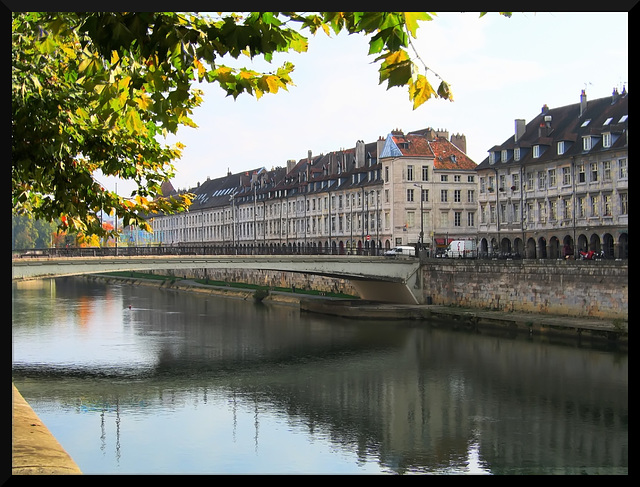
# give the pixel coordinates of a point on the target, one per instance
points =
(421, 217)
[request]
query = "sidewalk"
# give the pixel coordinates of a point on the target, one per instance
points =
(35, 451)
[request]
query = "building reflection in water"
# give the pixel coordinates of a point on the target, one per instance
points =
(413, 398)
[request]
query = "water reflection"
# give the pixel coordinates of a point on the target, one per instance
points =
(180, 378)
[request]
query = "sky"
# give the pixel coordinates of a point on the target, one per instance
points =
(499, 69)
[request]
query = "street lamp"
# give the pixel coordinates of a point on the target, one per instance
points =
(421, 217)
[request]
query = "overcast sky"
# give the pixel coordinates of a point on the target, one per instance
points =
(499, 69)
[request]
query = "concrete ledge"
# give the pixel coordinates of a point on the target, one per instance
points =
(35, 451)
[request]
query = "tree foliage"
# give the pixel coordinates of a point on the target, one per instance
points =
(98, 91)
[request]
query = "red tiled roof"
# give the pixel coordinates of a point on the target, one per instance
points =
(444, 151)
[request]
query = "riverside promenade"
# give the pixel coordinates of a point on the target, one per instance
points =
(35, 451)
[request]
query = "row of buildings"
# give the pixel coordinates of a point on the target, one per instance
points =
(559, 180)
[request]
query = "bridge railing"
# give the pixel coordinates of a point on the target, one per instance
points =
(130, 251)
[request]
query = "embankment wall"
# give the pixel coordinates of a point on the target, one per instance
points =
(572, 288)
(596, 289)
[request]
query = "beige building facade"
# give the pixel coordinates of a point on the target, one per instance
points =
(559, 185)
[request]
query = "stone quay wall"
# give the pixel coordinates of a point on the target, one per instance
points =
(271, 279)
(597, 289)
(571, 288)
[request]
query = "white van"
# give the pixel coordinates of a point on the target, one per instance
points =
(401, 250)
(461, 249)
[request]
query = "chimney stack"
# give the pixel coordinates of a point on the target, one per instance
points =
(583, 103)
(360, 153)
(520, 128)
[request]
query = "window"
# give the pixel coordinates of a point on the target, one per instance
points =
(606, 205)
(444, 195)
(504, 155)
(516, 211)
(470, 179)
(503, 212)
(444, 219)
(586, 143)
(581, 207)
(536, 151)
(606, 139)
(410, 195)
(624, 203)
(386, 174)
(553, 210)
(622, 169)
(483, 184)
(471, 219)
(606, 171)
(566, 176)
(594, 172)
(594, 205)
(516, 154)
(457, 218)
(566, 208)
(411, 219)
(410, 173)
(444, 178)
(471, 196)
(542, 212)
(552, 178)
(457, 178)
(582, 177)
(561, 147)
(542, 180)
(457, 195)
(515, 181)
(425, 173)
(530, 181)
(425, 195)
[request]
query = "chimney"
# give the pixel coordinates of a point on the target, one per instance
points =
(520, 128)
(583, 102)
(360, 160)
(379, 147)
(460, 141)
(614, 96)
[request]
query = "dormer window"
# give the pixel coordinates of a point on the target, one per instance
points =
(606, 139)
(561, 147)
(536, 151)
(516, 154)
(586, 143)
(504, 155)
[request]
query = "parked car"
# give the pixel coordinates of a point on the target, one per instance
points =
(401, 250)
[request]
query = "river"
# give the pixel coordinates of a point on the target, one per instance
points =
(140, 380)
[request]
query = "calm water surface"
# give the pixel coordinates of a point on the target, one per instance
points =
(151, 381)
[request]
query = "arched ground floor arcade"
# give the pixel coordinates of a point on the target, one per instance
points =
(556, 244)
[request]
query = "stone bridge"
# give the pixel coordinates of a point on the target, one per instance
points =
(392, 280)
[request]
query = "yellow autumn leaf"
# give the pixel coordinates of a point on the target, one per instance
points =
(420, 91)
(411, 20)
